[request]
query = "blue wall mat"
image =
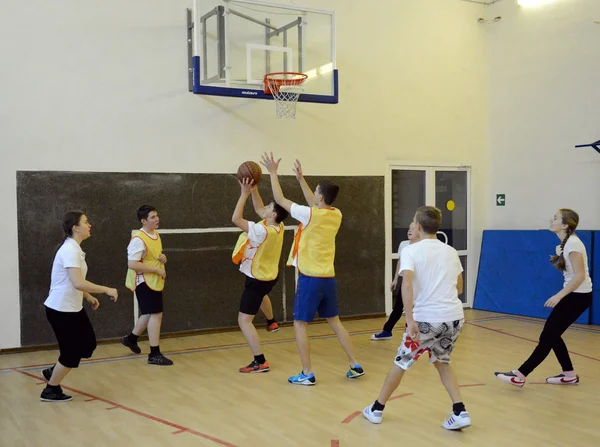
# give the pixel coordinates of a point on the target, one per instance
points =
(595, 317)
(515, 274)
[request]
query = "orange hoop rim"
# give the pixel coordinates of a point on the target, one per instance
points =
(270, 81)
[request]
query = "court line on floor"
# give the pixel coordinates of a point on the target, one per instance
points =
(207, 348)
(352, 416)
(115, 405)
(526, 339)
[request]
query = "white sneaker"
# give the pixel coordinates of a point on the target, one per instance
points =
(511, 378)
(463, 420)
(374, 416)
(561, 379)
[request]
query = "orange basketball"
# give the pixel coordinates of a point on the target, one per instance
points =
(250, 169)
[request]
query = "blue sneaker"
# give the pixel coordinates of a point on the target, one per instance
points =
(301, 379)
(383, 335)
(355, 371)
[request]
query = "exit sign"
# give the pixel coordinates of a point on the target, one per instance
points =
(500, 199)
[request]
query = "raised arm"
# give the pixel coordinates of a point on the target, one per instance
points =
(257, 201)
(308, 194)
(269, 162)
(246, 186)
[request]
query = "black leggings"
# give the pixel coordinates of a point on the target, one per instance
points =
(566, 312)
(397, 310)
(75, 336)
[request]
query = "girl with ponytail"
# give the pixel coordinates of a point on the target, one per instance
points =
(64, 305)
(568, 304)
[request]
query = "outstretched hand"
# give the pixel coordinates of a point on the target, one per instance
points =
(247, 186)
(269, 162)
(298, 170)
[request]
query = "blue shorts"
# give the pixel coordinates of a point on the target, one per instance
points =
(315, 295)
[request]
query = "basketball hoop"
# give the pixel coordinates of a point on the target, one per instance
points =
(285, 88)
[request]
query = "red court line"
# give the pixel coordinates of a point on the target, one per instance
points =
(197, 349)
(335, 443)
(139, 413)
(213, 347)
(471, 384)
(400, 396)
(528, 339)
(89, 400)
(112, 408)
(349, 418)
(178, 431)
(41, 383)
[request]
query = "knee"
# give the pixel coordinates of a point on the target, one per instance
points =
(69, 360)
(299, 324)
(244, 319)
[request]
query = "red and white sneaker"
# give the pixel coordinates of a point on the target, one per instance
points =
(562, 379)
(511, 378)
(273, 327)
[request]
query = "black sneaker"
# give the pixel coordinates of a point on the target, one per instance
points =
(126, 341)
(54, 394)
(159, 359)
(47, 373)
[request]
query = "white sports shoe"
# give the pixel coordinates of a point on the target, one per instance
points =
(561, 379)
(463, 420)
(375, 416)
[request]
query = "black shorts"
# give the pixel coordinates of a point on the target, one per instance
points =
(75, 336)
(149, 301)
(254, 292)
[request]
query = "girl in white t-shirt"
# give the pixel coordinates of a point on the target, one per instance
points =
(64, 305)
(386, 332)
(568, 304)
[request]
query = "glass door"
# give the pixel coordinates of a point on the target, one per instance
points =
(447, 188)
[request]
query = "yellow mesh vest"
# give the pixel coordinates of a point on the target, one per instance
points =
(265, 263)
(314, 246)
(153, 250)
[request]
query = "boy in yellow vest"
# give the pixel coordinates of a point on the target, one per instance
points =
(313, 254)
(146, 277)
(258, 250)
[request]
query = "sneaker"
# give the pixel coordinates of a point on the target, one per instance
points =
(374, 416)
(510, 378)
(355, 371)
(562, 379)
(126, 341)
(54, 394)
(255, 367)
(47, 373)
(454, 422)
(383, 335)
(159, 359)
(301, 379)
(274, 327)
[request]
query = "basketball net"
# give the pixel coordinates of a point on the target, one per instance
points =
(285, 88)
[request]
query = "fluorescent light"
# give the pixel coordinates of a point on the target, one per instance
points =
(533, 3)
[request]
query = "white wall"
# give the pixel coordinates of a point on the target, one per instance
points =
(544, 99)
(102, 86)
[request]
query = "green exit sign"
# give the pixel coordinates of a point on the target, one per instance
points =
(500, 199)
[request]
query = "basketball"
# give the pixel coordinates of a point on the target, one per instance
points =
(250, 169)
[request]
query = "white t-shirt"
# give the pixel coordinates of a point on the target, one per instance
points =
(136, 251)
(436, 267)
(63, 296)
(257, 234)
(575, 244)
(302, 214)
(402, 246)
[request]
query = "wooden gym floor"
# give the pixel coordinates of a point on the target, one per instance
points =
(202, 400)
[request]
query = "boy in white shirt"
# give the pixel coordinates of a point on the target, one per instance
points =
(432, 281)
